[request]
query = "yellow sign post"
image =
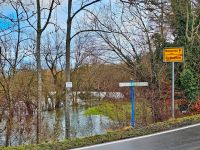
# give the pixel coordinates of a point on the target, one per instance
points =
(173, 54)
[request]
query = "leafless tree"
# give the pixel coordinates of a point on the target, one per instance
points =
(11, 56)
(70, 17)
(39, 29)
(136, 33)
(54, 57)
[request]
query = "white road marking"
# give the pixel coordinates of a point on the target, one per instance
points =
(136, 138)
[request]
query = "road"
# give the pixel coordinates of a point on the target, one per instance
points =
(186, 138)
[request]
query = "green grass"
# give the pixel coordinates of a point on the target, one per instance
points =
(111, 136)
(120, 111)
(93, 111)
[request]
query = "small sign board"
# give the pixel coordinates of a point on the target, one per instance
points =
(68, 84)
(124, 84)
(174, 54)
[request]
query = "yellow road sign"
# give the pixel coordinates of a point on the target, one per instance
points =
(175, 54)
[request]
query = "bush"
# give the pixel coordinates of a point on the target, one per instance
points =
(189, 85)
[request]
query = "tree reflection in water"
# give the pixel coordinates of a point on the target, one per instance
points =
(52, 126)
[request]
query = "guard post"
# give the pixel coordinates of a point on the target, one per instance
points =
(131, 84)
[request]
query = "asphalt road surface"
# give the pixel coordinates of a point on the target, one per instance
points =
(187, 138)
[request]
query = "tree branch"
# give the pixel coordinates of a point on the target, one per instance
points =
(83, 7)
(49, 15)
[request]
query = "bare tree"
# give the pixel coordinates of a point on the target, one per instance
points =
(70, 17)
(39, 30)
(136, 36)
(54, 56)
(11, 56)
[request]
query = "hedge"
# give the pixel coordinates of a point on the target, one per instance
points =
(111, 136)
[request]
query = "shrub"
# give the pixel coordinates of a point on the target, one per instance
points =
(196, 107)
(189, 85)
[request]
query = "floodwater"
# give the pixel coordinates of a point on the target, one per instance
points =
(81, 125)
(53, 126)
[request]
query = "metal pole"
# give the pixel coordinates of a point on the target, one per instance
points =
(173, 89)
(132, 103)
(67, 70)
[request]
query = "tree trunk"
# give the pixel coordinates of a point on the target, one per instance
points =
(39, 70)
(8, 127)
(58, 93)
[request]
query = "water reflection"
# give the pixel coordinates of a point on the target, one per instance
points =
(81, 125)
(53, 125)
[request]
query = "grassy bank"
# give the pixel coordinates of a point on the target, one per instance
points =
(112, 136)
(120, 111)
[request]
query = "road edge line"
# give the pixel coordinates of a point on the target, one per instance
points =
(139, 137)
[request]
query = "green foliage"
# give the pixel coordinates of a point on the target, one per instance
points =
(189, 85)
(112, 136)
(183, 21)
(93, 111)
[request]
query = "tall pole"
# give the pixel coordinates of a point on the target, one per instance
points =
(173, 89)
(39, 71)
(132, 103)
(67, 71)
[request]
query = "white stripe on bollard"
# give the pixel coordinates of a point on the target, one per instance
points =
(124, 84)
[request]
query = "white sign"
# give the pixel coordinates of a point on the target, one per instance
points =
(124, 84)
(68, 84)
